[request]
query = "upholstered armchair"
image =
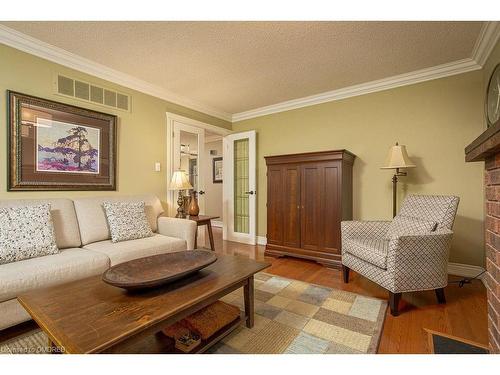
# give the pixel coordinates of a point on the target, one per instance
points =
(409, 253)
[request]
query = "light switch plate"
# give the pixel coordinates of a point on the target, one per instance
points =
(157, 167)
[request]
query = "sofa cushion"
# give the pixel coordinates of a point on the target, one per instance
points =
(92, 218)
(119, 252)
(68, 265)
(127, 220)
(26, 232)
(370, 250)
(63, 217)
(404, 225)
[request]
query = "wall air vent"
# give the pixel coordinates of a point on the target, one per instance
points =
(91, 93)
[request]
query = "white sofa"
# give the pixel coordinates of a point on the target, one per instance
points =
(83, 237)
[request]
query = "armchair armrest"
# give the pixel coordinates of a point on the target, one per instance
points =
(180, 228)
(374, 229)
(420, 261)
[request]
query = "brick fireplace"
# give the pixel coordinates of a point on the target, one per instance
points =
(487, 148)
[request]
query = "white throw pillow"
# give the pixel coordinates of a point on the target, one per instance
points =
(26, 232)
(406, 225)
(127, 220)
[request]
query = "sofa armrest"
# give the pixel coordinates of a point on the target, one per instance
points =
(374, 229)
(420, 261)
(180, 228)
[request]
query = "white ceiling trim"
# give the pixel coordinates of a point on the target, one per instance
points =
(488, 37)
(490, 33)
(439, 71)
(55, 54)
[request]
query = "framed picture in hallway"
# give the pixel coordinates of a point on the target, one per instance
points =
(217, 170)
(56, 146)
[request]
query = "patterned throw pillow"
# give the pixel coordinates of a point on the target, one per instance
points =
(406, 225)
(26, 232)
(127, 220)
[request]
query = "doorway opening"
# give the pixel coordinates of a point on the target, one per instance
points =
(196, 149)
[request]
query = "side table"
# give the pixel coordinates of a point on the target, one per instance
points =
(203, 220)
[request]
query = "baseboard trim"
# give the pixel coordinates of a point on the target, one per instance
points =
(261, 240)
(464, 270)
(217, 223)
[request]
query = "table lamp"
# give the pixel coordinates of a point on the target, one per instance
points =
(396, 159)
(180, 182)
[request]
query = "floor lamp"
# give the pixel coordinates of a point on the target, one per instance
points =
(396, 159)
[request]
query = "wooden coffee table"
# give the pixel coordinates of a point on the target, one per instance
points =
(90, 316)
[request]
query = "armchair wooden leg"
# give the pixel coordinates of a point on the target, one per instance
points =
(440, 295)
(394, 303)
(345, 274)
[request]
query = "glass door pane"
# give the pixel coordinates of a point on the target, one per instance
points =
(189, 161)
(241, 186)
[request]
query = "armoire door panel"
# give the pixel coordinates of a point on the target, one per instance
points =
(310, 206)
(291, 209)
(330, 213)
(275, 206)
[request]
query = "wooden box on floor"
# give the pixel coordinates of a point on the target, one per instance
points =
(308, 195)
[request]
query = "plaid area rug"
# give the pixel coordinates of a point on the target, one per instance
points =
(295, 317)
(290, 317)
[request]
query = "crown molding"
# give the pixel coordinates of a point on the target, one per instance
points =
(488, 37)
(55, 54)
(422, 75)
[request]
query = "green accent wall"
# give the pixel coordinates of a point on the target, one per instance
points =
(435, 119)
(142, 133)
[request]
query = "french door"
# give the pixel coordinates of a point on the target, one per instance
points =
(189, 151)
(239, 190)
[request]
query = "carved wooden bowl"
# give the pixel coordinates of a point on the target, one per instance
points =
(156, 270)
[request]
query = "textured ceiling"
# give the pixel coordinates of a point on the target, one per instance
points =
(238, 66)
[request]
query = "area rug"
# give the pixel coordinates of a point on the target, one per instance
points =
(291, 317)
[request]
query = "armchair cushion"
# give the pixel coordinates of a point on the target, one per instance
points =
(404, 225)
(439, 208)
(369, 249)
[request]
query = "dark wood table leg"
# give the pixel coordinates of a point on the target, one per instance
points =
(210, 235)
(249, 302)
(196, 239)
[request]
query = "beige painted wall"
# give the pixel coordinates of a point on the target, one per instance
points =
(141, 133)
(435, 119)
(213, 197)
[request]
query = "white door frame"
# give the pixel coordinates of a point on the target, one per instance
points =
(170, 162)
(228, 188)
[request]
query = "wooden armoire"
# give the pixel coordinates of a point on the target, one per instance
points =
(308, 195)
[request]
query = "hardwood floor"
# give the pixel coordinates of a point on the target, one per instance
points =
(464, 315)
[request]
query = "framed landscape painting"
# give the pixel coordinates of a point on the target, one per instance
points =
(56, 146)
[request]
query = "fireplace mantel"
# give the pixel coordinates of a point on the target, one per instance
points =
(484, 146)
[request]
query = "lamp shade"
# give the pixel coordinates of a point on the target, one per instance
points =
(180, 181)
(398, 158)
